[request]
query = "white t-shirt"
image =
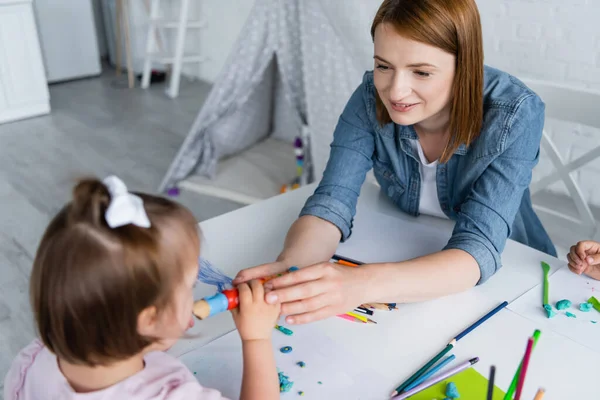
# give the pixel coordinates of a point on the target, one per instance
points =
(429, 203)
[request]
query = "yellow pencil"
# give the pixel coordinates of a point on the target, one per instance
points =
(357, 316)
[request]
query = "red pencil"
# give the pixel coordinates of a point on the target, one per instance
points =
(526, 358)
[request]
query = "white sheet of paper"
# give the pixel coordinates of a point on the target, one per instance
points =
(219, 365)
(564, 284)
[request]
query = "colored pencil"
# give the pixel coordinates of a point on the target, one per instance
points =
(422, 370)
(540, 394)
(437, 379)
(351, 318)
(526, 358)
(432, 371)
(513, 384)
(448, 347)
(363, 310)
(355, 315)
(480, 321)
(490, 392)
(339, 258)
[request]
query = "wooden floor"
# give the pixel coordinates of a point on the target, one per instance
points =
(97, 126)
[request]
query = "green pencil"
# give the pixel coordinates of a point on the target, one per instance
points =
(424, 368)
(513, 385)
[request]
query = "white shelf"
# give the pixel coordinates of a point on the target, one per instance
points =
(174, 24)
(169, 59)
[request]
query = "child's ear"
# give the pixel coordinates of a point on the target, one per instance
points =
(147, 322)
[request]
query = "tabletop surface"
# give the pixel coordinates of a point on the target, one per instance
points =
(405, 339)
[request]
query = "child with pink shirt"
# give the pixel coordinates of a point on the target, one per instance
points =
(111, 289)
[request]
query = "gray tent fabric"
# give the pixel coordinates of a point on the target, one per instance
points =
(291, 72)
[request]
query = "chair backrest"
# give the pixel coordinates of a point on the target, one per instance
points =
(578, 106)
(568, 104)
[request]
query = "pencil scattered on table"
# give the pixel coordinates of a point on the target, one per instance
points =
(436, 379)
(513, 384)
(402, 387)
(526, 358)
(353, 318)
(490, 391)
(540, 394)
(432, 371)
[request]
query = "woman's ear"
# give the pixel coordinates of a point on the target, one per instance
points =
(147, 322)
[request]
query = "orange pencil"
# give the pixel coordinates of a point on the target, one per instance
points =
(540, 394)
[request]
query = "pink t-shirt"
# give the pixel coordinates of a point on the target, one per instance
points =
(35, 375)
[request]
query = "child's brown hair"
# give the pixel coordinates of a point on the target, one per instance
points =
(90, 282)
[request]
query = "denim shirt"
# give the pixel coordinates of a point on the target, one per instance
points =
(484, 188)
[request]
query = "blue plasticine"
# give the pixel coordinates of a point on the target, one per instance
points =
(551, 313)
(563, 304)
(286, 349)
(285, 385)
(585, 307)
(452, 391)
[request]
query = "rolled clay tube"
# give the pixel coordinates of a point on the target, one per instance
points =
(223, 301)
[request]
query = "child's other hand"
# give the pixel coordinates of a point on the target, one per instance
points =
(584, 258)
(254, 318)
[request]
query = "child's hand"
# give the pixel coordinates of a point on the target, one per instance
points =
(584, 258)
(255, 319)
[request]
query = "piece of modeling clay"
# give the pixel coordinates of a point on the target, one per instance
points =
(300, 393)
(284, 383)
(563, 304)
(585, 307)
(549, 310)
(320, 383)
(594, 322)
(570, 315)
(286, 349)
(452, 391)
(595, 303)
(301, 364)
(284, 330)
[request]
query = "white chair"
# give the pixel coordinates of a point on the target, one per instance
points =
(577, 106)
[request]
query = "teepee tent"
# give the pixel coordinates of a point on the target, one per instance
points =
(290, 74)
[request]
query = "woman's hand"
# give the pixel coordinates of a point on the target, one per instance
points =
(317, 292)
(584, 258)
(260, 271)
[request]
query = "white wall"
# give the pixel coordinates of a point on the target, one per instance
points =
(557, 41)
(225, 20)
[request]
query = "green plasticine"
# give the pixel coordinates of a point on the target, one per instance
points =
(595, 303)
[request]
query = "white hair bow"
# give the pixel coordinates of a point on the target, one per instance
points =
(124, 208)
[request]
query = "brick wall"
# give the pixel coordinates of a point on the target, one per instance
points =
(557, 41)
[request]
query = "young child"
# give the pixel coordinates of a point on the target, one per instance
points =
(111, 289)
(584, 258)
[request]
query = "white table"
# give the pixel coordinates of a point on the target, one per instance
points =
(403, 340)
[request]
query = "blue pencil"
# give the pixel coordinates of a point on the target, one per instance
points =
(432, 371)
(480, 321)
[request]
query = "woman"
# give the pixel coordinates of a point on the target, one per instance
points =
(446, 136)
